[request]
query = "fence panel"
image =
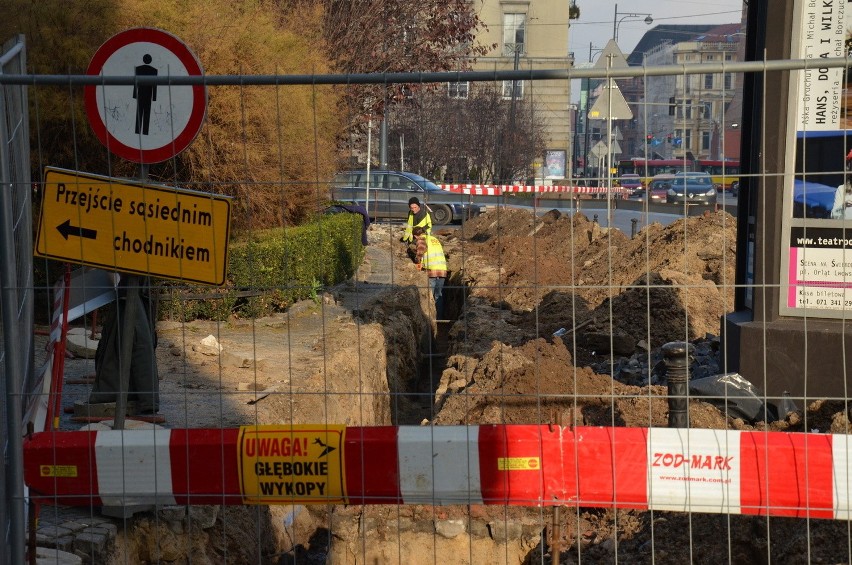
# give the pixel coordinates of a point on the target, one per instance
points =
(329, 406)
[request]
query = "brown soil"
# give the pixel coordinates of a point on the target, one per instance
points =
(356, 359)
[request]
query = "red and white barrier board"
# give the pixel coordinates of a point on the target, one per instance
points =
(499, 190)
(715, 471)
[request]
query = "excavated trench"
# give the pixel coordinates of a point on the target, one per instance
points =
(400, 388)
(433, 352)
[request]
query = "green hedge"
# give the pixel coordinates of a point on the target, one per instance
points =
(270, 270)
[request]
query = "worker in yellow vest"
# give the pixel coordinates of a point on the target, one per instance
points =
(430, 257)
(418, 216)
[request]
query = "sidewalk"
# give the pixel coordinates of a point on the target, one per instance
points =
(84, 533)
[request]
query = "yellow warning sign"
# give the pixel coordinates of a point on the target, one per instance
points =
(58, 470)
(518, 464)
(287, 464)
(136, 228)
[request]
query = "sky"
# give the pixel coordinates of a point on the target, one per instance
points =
(596, 21)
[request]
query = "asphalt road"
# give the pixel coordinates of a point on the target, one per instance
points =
(628, 215)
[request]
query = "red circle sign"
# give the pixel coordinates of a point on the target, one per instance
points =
(145, 123)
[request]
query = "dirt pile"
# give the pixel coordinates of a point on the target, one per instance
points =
(561, 271)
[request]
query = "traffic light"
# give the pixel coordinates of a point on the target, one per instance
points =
(669, 138)
(649, 138)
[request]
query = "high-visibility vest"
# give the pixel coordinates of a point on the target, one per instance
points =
(425, 223)
(434, 261)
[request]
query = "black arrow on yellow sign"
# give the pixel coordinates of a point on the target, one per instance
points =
(66, 229)
(327, 448)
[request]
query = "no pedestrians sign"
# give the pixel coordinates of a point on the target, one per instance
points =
(145, 123)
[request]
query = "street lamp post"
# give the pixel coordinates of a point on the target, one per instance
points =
(625, 16)
(586, 88)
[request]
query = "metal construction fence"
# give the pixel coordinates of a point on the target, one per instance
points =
(16, 278)
(581, 390)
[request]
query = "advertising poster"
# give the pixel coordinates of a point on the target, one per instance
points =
(817, 254)
(554, 161)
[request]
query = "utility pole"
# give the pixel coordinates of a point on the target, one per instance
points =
(383, 135)
(512, 102)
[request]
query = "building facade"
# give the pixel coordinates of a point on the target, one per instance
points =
(701, 101)
(513, 28)
(694, 116)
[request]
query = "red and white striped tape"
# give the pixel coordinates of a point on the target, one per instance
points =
(497, 190)
(43, 405)
(715, 471)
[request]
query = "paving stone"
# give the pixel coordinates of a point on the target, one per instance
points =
(65, 543)
(479, 529)
(54, 531)
(504, 531)
(52, 556)
(91, 544)
(98, 520)
(75, 525)
(450, 528)
(108, 529)
(176, 526)
(172, 513)
(203, 516)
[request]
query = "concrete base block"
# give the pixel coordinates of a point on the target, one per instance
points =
(789, 356)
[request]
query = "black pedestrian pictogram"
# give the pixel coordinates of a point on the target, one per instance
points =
(144, 95)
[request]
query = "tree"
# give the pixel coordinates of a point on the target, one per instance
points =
(378, 36)
(61, 38)
(477, 139)
(267, 146)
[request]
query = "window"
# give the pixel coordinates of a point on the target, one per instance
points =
(705, 140)
(708, 109)
(708, 81)
(507, 89)
(376, 180)
(728, 81)
(398, 182)
(687, 139)
(514, 26)
(458, 89)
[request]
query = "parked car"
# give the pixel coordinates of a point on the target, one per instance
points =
(389, 192)
(631, 182)
(658, 188)
(692, 188)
